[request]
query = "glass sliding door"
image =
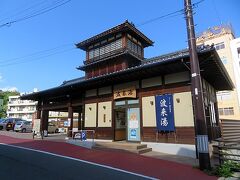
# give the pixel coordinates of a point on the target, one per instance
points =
(120, 124)
(133, 115)
(127, 120)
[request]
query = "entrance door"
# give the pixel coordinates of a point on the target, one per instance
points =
(127, 120)
(120, 124)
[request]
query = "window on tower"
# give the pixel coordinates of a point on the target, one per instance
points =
(112, 44)
(134, 45)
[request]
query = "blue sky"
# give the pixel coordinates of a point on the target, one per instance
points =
(40, 52)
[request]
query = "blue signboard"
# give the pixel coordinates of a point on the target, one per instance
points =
(133, 124)
(84, 136)
(80, 135)
(164, 112)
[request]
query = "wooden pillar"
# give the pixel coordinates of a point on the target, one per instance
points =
(80, 119)
(38, 112)
(83, 117)
(70, 118)
(41, 117)
(44, 118)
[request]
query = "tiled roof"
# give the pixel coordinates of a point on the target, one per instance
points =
(121, 27)
(147, 65)
(72, 81)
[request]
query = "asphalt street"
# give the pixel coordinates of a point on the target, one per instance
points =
(24, 164)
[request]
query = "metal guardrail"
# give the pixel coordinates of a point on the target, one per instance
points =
(92, 132)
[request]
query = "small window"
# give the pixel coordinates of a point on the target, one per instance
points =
(226, 111)
(91, 54)
(129, 44)
(111, 38)
(224, 95)
(96, 52)
(238, 52)
(134, 40)
(119, 103)
(139, 50)
(135, 101)
(220, 110)
(97, 44)
(113, 46)
(224, 60)
(107, 48)
(103, 42)
(101, 51)
(220, 46)
(118, 35)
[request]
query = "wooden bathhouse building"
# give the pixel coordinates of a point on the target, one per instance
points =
(124, 96)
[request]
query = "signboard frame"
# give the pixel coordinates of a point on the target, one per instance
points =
(125, 93)
(165, 113)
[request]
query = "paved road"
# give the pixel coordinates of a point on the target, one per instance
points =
(24, 164)
(126, 161)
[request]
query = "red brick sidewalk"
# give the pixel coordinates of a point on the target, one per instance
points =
(127, 161)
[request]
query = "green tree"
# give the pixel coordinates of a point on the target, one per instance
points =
(4, 95)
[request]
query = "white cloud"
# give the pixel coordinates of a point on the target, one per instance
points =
(9, 89)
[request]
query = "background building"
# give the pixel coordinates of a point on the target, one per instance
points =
(25, 109)
(223, 39)
(235, 47)
(18, 108)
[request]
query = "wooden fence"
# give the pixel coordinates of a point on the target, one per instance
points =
(230, 130)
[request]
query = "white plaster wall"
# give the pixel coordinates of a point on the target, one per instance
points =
(105, 111)
(234, 44)
(183, 110)
(175, 149)
(90, 115)
(149, 111)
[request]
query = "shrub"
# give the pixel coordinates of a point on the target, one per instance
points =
(227, 169)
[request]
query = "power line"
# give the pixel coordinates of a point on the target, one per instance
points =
(181, 11)
(37, 13)
(30, 60)
(42, 52)
(22, 11)
(169, 15)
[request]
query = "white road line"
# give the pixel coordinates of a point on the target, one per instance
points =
(75, 159)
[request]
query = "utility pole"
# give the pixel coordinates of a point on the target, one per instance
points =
(197, 93)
